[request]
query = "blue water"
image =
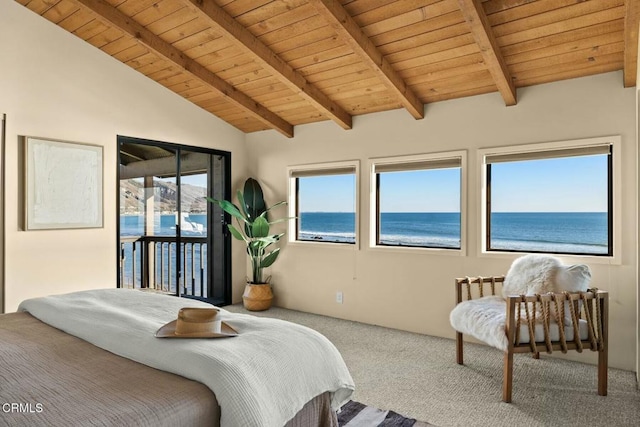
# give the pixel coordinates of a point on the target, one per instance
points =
(583, 232)
(435, 229)
(580, 233)
(328, 226)
(567, 232)
(164, 225)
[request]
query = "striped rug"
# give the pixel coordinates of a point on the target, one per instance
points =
(355, 414)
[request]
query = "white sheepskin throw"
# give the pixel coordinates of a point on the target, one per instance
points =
(531, 274)
(539, 274)
(483, 319)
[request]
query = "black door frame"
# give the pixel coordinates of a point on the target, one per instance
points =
(121, 139)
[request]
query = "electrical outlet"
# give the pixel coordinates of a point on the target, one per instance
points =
(339, 297)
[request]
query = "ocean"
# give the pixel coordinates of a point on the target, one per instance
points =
(568, 232)
(164, 225)
(571, 232)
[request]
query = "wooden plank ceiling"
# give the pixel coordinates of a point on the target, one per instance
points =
(275, 64)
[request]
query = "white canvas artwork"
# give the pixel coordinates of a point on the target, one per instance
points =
(63, 184)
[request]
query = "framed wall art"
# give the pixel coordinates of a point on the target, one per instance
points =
(63, 184)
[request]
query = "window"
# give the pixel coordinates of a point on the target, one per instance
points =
(323, 198)
(551, 198)
(418, 201)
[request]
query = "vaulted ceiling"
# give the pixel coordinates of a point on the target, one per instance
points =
(275, 64)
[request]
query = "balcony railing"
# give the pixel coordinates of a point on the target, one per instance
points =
(149, 262)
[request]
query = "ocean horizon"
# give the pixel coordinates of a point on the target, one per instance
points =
(568, 232)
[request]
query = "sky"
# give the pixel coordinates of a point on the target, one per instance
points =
(328, 193)
(572, 184)
(416, 191)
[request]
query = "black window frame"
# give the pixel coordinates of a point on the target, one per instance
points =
(378, 214)
(328, 169)
(610, 210)
(413, 163)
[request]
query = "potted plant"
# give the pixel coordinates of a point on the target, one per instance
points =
(254, 229)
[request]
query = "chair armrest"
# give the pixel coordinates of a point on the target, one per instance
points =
(564, 309)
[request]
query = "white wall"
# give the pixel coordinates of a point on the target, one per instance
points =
(54, 85)
(413, 290)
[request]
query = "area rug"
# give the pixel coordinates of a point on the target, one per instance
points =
(355, 414)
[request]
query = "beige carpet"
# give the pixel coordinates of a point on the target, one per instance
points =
(416, 376)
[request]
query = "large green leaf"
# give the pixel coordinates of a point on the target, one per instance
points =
(282, 220)
(235, 233)
(249, 219)
(229, 208)
(275, 206)
(243, 206)
(260, 227)
(270, 258)
(253, 198)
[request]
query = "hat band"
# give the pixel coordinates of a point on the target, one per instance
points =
(197, 321)
(189, 328)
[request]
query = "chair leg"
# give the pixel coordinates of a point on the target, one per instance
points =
(602, 372)
(603, 350)
(507, 381)
(459, 352)
(536, 355)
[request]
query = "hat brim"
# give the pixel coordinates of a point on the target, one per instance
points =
(169, 331)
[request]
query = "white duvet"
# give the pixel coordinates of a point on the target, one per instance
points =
(261, 378)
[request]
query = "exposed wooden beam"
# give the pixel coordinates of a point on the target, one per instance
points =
(241, 37)
(164, 166)
(145, 152)
(483, 35)
(111, 16)
(351, 33)
(631, 22)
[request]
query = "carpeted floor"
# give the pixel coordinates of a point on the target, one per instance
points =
(416, 375)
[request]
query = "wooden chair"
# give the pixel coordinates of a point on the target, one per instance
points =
(543, 317)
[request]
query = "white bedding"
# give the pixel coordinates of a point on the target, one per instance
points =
(261, 378)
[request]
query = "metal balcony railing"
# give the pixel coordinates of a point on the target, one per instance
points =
(149, 262)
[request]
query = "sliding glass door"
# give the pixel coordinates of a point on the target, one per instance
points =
(169, 238)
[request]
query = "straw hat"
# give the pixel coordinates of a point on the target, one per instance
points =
(196, 323)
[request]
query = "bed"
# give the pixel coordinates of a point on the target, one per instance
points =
(91, 358)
